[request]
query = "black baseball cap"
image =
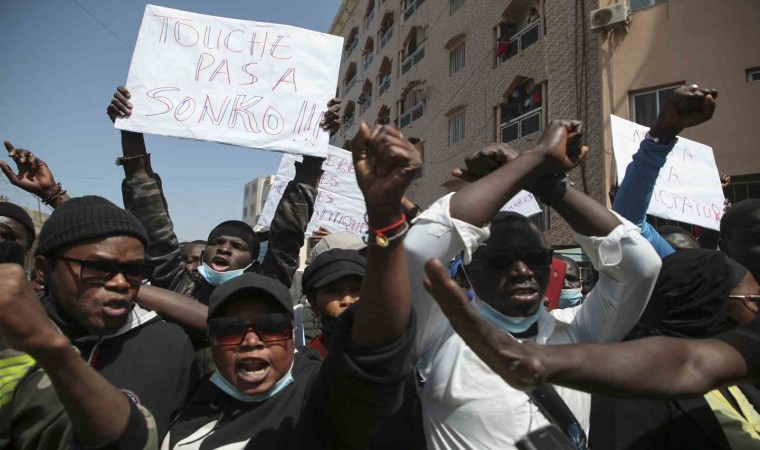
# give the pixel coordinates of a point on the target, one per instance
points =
(331, 266)
(251, 284)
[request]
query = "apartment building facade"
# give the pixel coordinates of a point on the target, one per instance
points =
(456, 75)
(254, 196)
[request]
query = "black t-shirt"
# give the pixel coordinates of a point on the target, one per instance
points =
(746, 340)
(339, 402)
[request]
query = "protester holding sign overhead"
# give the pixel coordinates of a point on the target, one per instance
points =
(266, 396)
(465, 405)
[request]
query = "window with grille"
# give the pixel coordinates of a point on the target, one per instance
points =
(638, 4)
(646, 105)
(456, 59)
(456, 128)
(454, 6)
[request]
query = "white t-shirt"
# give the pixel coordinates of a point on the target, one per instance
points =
(465, 405)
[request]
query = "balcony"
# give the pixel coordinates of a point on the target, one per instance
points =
(413, 114)
(350, 84)
(368, 60)
(368, 19)
(521, 126)
(412, 60)
(523, 40)
(348, 122)
(414, 5)
(386, 37)
(351, 47)
(385, 84)
(364, 107)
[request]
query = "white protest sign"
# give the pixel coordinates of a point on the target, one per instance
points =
(339, 205)
(688, 187)
(238, 82)
(523, 203)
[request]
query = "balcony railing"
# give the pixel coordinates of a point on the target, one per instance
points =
(367, 103)
(413, 114)
(368, 60)
(385, 84)
(413, 6)
(350, 84)
(411, 60)
(386, 37)
(368, 19)
(348, 121)
(523, 40)
(352, 46)
(521, 126)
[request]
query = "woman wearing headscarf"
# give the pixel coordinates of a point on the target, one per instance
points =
(693, 298)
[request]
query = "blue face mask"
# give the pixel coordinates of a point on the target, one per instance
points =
(215, 278)
(510, 324)
(220, 382)
(569, 298)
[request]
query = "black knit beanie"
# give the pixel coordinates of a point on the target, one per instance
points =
(238, 229)
(88, 217)
(17, 213)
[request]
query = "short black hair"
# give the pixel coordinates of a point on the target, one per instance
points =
(673, 229)
(509, 229)
(737, 215)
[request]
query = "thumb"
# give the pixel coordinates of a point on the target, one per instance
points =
(9, 173)
(359, 143)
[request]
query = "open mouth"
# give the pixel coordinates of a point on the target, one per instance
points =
(117, 308)
(252, 370)
(220, 263)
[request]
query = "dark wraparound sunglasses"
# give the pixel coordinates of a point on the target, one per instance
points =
(268, 327)
(101, 272)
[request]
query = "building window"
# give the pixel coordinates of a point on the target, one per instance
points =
(742, 187)
(454, 6)
(510, 40)
(456, 59)
(414, 50)
(456, 128)
(753, 74)
(645, 105)
(386, 30)
(384, 76)
(638, 4)
(410, 6)
(245, 212)
(365, 98)
(412, 104)
(350, 78)
(370, 14)
(522, 112)
(351, 41)
(368, 55)
(349, 116)
(542, 220)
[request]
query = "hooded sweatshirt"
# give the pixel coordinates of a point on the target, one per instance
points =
(152, 361)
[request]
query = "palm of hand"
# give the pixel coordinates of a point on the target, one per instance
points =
(36, 180)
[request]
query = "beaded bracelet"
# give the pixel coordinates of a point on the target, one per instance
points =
(58, 192)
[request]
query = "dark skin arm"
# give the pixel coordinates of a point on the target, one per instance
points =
(97, 410)
(688, 106)
(179, 309)
(658, 367)
(34, 176)
(478, 202)
(385, 163)
(132, 144)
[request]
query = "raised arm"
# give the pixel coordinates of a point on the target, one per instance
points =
(688, 106)
(657, 367)
(191, 316)
(34, 176)
(98, 412)
(385, 163)
(143, 196)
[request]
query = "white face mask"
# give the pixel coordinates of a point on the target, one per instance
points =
(215, 278)
(570, 297)
(510, 324)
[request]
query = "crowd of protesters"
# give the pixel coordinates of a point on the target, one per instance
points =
(433, 333)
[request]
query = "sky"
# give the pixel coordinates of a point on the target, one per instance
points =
(62, 60)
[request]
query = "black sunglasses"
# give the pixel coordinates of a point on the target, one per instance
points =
(501, 260)
(268, 327)
(101, 272)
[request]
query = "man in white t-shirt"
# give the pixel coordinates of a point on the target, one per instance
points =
(465, 404)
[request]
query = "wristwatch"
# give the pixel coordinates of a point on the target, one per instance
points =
(656, 140)
(122, 159)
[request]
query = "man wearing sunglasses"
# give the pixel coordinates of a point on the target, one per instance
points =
(90, 256)
(465, 404)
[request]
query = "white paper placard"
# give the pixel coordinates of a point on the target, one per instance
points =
(238, 82)
(688, 187)
(523, 203)
(339, 205)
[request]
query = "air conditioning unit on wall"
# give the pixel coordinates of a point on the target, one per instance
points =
(610, 17)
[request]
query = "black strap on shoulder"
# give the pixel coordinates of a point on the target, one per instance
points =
(557, 412)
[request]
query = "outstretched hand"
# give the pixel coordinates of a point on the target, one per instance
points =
(120, 105)
(331, 120)
(517, 363)
(561, 146)
(33, 175)
(385, 164)
(688, 106)
(484, 161)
